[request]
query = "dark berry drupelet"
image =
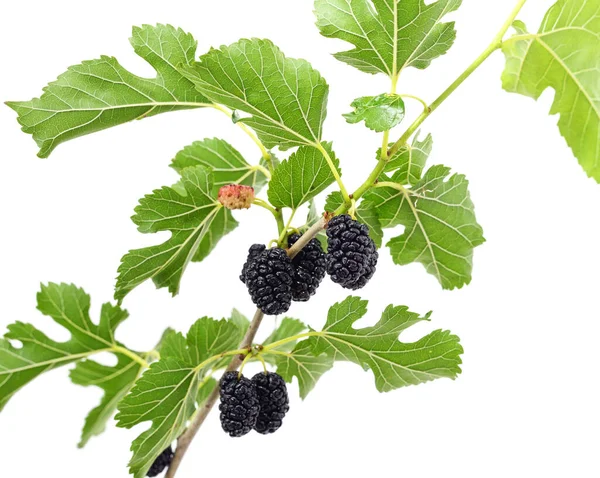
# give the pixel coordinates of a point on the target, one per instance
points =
(310, 265)
(239, 404)
(163, 461)
(351, 253)
(273, 399)
(269, 278)
(253, 252)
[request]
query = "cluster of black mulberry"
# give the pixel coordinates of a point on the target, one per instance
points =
(274, 280)
(258, 404)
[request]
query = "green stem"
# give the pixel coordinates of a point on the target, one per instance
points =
(496, 44)
(385, 144)
(389, 184)
(283, 233)
(262, 169)
(524, 37)
(278, 352)
(265, 152)
(416, 98)
(128, 353)
(279, 219)
(264, 204)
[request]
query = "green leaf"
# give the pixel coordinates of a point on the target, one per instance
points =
(285, 98)
(380, 113)
(196, 222)
(441, 229)
(563, 56)
(301, 177)
(395, 364)
(366, 213)
(165, 395)
(98, 94)
(409, 162)
(169, 392)
(69, 307)
(226, 163)
(304, 365)
(115, 381)
(389, 35)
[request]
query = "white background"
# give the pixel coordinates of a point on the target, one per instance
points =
(527, 401)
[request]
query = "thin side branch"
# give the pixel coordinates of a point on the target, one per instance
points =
(185, 440)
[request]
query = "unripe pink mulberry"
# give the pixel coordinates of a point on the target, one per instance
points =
(236, 196)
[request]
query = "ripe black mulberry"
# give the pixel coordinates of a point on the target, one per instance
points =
(310, 265)
(273, 399)
(239, 404)
(163, 461)
(253, 252)
(269, 278)
(351, 253)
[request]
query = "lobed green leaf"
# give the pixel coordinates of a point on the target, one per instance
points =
(441, 229)
(99, 94)
(388, 35)
(116, 382)
(285, 98)
(69, 307)
(563, 56)
(196, 221)
(395, 364)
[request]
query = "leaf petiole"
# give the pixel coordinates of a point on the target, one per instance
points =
(128, 353)
(390, 184)
(263, 170)
(264, 204)
(334, 171)
(269, 348)
(286, 228)
(417, 98)
(214, 358)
